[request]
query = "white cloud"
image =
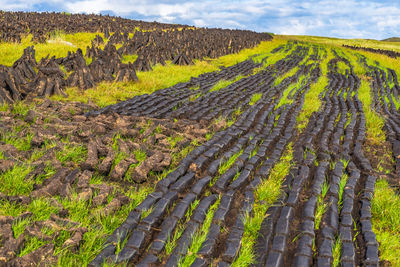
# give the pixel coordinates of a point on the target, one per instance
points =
(19, 5)
(199, 23)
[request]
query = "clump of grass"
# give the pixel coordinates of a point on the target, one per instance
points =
(322, 206)
(140, 155)
(174, 140)
(265, 196)
(128, 58)
(342, 184)
(8, 208)
(32, 243)
(385, 210)
(225, 165)
(194, 97)
(18, 226)
(224, 83)
(199, 237)
(12, 182)
(20, 143)
(72, 153)
(374, 122)
(342, 67)
(254, 98)
(4, 107)
(171, 242)
(336, 252)
(20, 108)
(285, 99)
(41, 208)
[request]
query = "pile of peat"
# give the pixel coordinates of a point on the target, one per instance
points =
(153, 43)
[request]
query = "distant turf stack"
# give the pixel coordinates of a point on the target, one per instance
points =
(159, 43)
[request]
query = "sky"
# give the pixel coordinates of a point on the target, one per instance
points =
(372, 19)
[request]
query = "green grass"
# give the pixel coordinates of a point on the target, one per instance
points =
(59, 47)
(290, 73)
(194, 97)
(385, 212)
(226, 164)
(336, 42)
(265, 196)
(174, 140)
(18, 226)
(20, 143)
(128, 58)
(199, 237)
(4, 107)
(140, 155)
(72, 153)
(336, 251)
(342, 67)
(171, 242)
(98, 225)
(322, 206)
(224, 83)
(41, 208)
(254, 98)
(32, 243)
(8, 208)
(374, 122)
(312, 101)
(287, 93)
(119, 156)
(233, 118)
(12, 182)
(342, 184)
(21, 108)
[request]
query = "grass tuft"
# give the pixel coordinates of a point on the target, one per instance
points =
(265, 196)
(385, 210)
(254, 98)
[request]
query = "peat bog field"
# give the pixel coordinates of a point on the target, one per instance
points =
(128, 143)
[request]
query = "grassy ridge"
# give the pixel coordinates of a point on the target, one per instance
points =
(395, 46)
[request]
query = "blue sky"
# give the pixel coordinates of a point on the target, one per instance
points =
(335, 18)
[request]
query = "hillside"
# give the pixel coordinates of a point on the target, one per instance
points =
(131, 143)
(392, 39)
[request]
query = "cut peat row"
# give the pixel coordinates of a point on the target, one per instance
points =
(176, 101)
(386, 90)
(223, 172)
(327, 193)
